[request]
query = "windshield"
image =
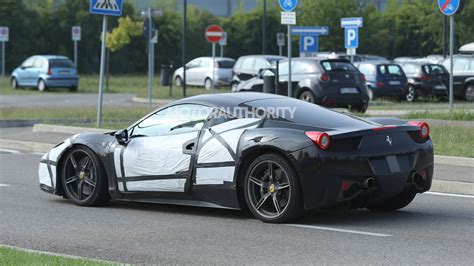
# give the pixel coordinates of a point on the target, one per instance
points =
(61, 63)
(434, 69)
(338, 66)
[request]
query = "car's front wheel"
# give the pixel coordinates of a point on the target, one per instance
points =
(395, 203)
(469, 93)
(358, 108)
(178, 82)
(14, 83)
(307, 96)
(208, 84)
(411, 95)
(272, 190)
(41, 85)
(83, 177)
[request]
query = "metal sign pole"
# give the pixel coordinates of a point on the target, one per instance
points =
(149, 58)
(3, 59)
(290, 90)
(451, 44)
(183, 55)
(222, 50)
(280, 50)
(213, 66)
(101, 74)
(75, 54)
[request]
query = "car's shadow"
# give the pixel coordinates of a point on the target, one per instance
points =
(315, 217)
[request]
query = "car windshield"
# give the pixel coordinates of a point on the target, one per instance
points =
(390, 70)
(226, 63)
(61, 63)
(305, 113)
(337, 66)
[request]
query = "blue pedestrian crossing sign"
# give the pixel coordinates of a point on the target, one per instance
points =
(309, 44)
(288, 5)
(449, 7)
(106, 7)
(351, 37)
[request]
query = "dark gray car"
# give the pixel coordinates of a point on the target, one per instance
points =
(326, 82)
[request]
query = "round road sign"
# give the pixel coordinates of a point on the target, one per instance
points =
(214, 33)
(449, 7)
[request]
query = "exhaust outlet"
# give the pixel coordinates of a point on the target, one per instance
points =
(368, 183)
(418, 180)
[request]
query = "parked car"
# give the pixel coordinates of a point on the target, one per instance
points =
(199, 72)
(403, 59)
(248, 67)
(426, 79)
(463, 76)
(384, 79)
(327, 82)
(46, 71)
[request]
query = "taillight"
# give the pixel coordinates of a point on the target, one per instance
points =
(379, 84)
(362, 77)
(324, 77)
(425, 77)
(49, 71)
(321, 139)
(424, 128)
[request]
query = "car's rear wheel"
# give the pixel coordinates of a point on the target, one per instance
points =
(307, 96)
(41, 85)
(370, 93)
(395, 203)
(469, 93)
(73, 88)
(83, 177)
(178, 82)
(272, 190)
(358, 108)
(208, 84)
(14, 83)
(411, 95)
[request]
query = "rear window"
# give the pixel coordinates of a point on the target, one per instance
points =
(337, 66)
(226, 64)
(434, 69)
(305, 113)
(390, 70)
(61, 63)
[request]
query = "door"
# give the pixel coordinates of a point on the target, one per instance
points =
(192, 71)
(38, 67)
(23, 73)
(158, 155)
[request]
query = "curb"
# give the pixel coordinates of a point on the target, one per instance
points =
(455, 187)
(67, 129)
(452, 160)
(153, 101)
(26, 145)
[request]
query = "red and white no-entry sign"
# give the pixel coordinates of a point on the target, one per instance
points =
(214, 33)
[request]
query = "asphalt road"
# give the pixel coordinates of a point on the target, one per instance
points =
(434, 229)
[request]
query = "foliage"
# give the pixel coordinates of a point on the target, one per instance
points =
(122, 35)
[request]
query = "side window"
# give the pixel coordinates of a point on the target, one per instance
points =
(173, 120)
(260, 63)
(283, 68)
(194, 63)
(39, 62)
(366, 69)
(303, 68)
(248, 63)
(205, 62)
(471, 65)
(460, 64)
(28, 62)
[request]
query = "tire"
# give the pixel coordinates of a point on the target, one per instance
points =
(178, 81)
(208, 84)
(395, 203)
(14, 83)
(41, 85)
(73, 88)
(411, 95)
(469, 93)
(83, 177)
(276, 197)
(358, 108)
(234, 86)
(307, 96)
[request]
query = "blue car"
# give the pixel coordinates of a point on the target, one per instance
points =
(46, 71)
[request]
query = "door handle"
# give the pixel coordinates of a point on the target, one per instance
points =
(188, 146)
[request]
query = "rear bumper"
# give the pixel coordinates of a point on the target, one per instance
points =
(62, 82)
(331, 96)
(331, 179)
(389, 91)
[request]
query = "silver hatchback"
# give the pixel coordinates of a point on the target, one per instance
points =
(199, 72)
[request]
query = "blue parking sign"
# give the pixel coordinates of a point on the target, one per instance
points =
(448, 7)
(308, 43)
(351, 39)
(106, 7)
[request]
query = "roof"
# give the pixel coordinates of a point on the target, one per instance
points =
(218, 58)
(54, 56)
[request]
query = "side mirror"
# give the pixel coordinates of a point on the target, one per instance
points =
(260, 73)
(22, 67)
(122, 136)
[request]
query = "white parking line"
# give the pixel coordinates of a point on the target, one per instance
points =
(10, 151)
(339, 230)
(449, 195)
(4, 185)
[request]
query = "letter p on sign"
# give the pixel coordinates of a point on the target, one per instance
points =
(351, 37)
(308, 43)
